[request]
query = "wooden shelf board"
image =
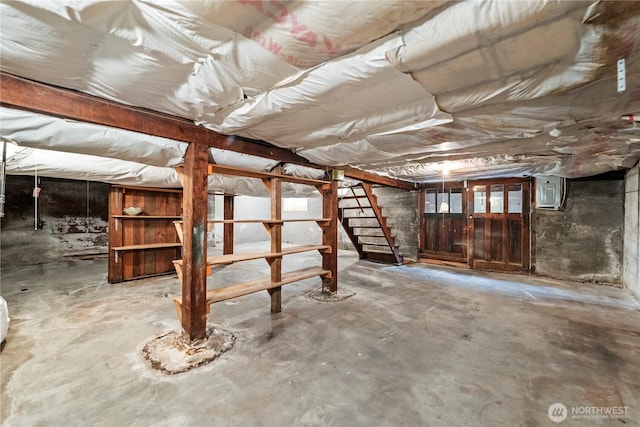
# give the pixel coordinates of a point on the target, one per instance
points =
(262, 221)
(307, 220)
(253, 286)
(231, 258)
(146, 216)
(305, 248)
(160, 190)
(240, 221)
(147, 246)
(247, 173)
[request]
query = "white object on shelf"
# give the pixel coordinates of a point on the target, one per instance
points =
(4, 319)
(132, 211)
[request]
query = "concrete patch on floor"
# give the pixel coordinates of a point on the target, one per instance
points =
(168, 352)
(340, 295)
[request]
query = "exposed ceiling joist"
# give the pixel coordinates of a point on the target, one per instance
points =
(17, 92)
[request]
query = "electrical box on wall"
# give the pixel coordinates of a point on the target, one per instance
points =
(548, 192)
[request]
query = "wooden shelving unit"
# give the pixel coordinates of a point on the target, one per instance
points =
(272, 284)
(146, 244)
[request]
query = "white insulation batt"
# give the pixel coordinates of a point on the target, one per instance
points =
(399, 88)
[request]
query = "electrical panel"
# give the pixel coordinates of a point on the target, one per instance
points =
(548, 192)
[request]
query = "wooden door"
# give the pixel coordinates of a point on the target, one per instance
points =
(499, 232)
(443, 225)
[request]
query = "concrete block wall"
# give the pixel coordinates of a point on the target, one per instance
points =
(401, 209)
(73, 221)
(631, 257)
(582, 241)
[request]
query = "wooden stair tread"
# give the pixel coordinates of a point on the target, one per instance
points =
(382, 257)
(388, 251)
(253, 286)
(231, 258)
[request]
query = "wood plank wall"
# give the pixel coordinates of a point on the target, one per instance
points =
(137, 263)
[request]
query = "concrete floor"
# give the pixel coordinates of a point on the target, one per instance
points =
(416, 346)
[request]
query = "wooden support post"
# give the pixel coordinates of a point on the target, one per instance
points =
(227, 240)
(194, 253)
(422, 241)
(115, 235)
(330, 236)
(276, 244)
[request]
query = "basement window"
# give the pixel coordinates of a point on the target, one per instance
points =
(480, 199)
(430, 202)
(515, 198)
(455, 200)
(497, 198)
(295, 204)
(443, 202)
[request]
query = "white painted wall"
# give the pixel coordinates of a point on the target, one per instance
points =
(246, 207)
(303, 233)
(631, 257)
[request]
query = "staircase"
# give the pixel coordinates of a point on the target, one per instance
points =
(365, 225)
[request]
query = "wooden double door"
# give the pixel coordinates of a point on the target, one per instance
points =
(484, 224)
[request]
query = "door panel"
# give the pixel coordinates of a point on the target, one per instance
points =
(484, 223)
(499, 224)
(515, 241)
(443, 223)
(478, 239)
(495, 240)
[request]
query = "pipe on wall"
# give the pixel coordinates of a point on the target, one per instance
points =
(3, 177)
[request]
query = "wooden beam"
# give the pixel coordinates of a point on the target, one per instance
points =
(194, 252)
(24, 94)
(330, 236)
(16, 92)
(376, 179)
(265, 176)
(227, 239)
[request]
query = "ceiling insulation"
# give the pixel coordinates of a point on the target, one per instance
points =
(403, 89)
